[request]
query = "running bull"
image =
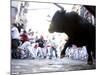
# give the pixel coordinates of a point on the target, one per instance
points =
(78, 29)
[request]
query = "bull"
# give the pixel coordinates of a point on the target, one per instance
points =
(78, 29)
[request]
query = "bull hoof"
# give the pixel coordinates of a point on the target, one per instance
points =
(90, 63)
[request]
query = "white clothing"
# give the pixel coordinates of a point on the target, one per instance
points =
(15, 33)
(25, 45)
(32, 51)
(24, 49)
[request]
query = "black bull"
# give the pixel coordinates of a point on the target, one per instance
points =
(78, 29)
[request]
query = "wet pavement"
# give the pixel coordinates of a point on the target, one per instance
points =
(30, 66)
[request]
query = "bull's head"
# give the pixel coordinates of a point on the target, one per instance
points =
(57, 22)
(64, 22)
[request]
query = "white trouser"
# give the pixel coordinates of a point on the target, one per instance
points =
(49, 51)
(44, 52)
(40, 52)
(31, 51)
(83, 53)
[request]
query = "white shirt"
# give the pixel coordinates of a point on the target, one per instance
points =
(15, 33)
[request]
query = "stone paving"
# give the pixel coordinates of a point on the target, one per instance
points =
(31, 66)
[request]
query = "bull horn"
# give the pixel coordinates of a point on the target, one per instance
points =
(62, 8)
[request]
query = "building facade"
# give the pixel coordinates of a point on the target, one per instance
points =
(18, 12)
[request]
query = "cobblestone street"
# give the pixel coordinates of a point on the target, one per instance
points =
(30, 66)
